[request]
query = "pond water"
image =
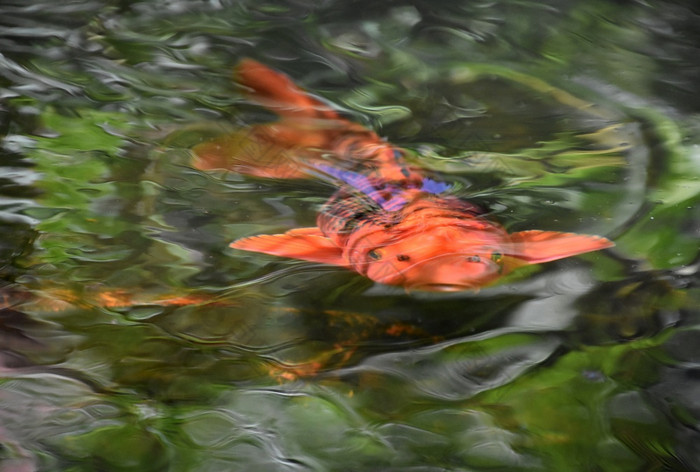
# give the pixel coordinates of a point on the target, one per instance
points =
(133, 338)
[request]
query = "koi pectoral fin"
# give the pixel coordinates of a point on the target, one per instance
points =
(534, 247)
(308, 244)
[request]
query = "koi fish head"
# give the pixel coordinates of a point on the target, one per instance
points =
(438, 258)
(454, 258)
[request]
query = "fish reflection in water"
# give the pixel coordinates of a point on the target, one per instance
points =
(388, 220)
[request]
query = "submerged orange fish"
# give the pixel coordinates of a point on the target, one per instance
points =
(388, 221)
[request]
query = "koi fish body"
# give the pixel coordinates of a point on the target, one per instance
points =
(388, 221)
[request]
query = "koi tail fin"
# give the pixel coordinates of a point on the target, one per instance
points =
(276, 92)
(288, 149)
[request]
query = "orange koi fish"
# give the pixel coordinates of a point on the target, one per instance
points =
(389, 220)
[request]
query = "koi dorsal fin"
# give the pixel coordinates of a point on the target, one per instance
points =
(276, 92)
(257, 151)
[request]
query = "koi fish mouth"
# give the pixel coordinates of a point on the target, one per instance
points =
(442, 287)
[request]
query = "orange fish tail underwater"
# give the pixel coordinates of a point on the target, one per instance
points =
(388, 221)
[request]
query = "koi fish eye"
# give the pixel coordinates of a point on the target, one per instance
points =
(374, 254)
(474, 258)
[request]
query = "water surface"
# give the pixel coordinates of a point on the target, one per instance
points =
(567, 116)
